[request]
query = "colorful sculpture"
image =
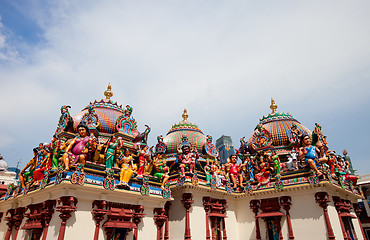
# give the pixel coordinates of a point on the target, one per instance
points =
(187, 158)
(234, 172)
(27, 176)
(127, 167)
(313, 156)
(77, 150)
(160, 170)
(110, 152)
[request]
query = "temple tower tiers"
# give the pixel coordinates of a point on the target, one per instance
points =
(99, 179)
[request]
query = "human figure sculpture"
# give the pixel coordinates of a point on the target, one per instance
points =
(41, 165)
(77, 149)
(160, 169)
(187, 159)
(312, 155)
(263, 177)
(248, 168)
(24, 175)
(55, 146)
(332, 159)
(276, 160)
(125, 161)
(142, 154)
(110, 152)
(234, 172)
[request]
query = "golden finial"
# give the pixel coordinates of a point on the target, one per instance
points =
(108, 93)
(185, 115)
(273, 106)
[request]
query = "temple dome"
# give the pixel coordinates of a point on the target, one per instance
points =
(108, 112)
(174, 136)
(105, 111)
(278, 125)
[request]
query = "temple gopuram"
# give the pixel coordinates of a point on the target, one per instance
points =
(99, 179)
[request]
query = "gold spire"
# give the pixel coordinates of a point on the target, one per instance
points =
(273, 106)
(185, 115)
(108, 93)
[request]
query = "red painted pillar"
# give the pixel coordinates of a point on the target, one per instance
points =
(159, 219)
(224, 236)
(207, 207)
(278, 220)
(138, 215)
(166, 230)
(322, 198)
(48, 211)
(17, 220)
(187, 200)
(286, 202)
(68, 206)
(98, 215)
(10, 223)
(358, 212)
(255, 205)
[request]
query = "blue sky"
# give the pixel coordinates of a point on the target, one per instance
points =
(223, 61)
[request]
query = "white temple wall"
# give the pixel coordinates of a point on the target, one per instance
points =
(307, 217)
(231, 221)
(245, 220)
(177, 217)
(147, 228)
(197, 217)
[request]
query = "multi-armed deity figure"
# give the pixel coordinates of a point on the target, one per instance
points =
(160, 169)
(188, 156)
(77, 150)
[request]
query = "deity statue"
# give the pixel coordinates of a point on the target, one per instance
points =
(27, 176)
(234, 171)
(77, 149)
(263, 177)
(41, 165)
(276, 160)
(142, 155)
(313, 156)
(55, 148)
(332, 159)
(126, 164)
(187, 158)
(110, 151)
(160, 169)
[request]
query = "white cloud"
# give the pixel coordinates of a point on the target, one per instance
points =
(221, 61)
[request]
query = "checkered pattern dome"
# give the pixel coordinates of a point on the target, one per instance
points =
(108, 113)
(279, 124)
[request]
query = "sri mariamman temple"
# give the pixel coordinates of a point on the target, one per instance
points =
(98, 179)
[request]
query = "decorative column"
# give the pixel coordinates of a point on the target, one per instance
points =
(167, 207)
(10, 223)
(358, 212)
(286, 202)
(207, 208)
(322, 198)
(98, 215)
(187, 200)
(68, 206)
(159, 219)
(17, 218)
(255, 205)
(224, 206)
(338, 206)
(137, 216)
(48, 211)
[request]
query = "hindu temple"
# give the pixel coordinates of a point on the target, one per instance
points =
(99, 179)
